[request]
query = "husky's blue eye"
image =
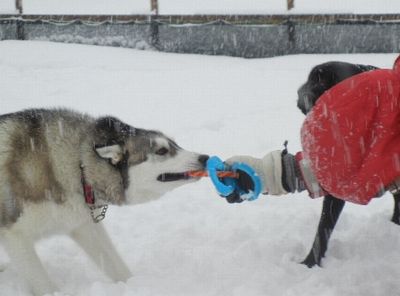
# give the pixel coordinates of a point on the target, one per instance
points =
(162, 151)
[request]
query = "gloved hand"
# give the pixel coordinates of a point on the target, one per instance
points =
(268, 168)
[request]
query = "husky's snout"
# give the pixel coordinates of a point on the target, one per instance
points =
(200, 164)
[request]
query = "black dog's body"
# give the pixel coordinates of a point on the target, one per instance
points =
(321, 78)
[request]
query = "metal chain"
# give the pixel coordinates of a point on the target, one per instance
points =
(99, 217)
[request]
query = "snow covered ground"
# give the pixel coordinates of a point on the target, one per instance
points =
(200, 6)
(191, 242)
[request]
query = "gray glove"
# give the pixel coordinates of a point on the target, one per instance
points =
(268, 168)
(278, 170)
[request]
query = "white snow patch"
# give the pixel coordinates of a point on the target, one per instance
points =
(191, 242)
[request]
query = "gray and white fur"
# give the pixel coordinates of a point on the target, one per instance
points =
(43, 155)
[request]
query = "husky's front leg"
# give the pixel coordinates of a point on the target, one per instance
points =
(24, 258)
(95, 241)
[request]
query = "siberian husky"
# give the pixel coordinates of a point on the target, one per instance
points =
(59, 170)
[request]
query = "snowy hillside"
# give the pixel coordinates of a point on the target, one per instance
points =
(201, 6)
(191, 242)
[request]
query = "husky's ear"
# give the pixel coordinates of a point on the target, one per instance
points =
(112, 129)
(112, 152)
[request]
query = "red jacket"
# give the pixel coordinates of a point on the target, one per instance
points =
(352, 135)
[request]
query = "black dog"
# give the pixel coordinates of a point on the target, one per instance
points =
(321, 78)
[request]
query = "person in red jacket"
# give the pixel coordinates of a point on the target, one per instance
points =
(350, 141)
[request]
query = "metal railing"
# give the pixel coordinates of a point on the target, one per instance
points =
(251, 36)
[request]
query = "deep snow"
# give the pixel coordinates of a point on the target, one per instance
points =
(191, 242)
(200, 6)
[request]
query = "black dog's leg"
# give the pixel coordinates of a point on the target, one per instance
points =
(331, 209)
(396, 210)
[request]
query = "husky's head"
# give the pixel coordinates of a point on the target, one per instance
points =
(149, 163)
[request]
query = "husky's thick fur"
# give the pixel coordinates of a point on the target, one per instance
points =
(45, 155)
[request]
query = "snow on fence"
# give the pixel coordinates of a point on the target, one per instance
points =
(250, 36)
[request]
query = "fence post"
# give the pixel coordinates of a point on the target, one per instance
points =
(20, 32)
(154, 6)
(290, 4)
(154, 24)
(291, 31)
(18, 6)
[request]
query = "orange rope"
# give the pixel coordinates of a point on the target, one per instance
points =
(221, 174)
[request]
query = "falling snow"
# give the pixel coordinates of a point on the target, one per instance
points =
(191, 242)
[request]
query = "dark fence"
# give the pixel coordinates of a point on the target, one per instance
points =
(251, 36)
